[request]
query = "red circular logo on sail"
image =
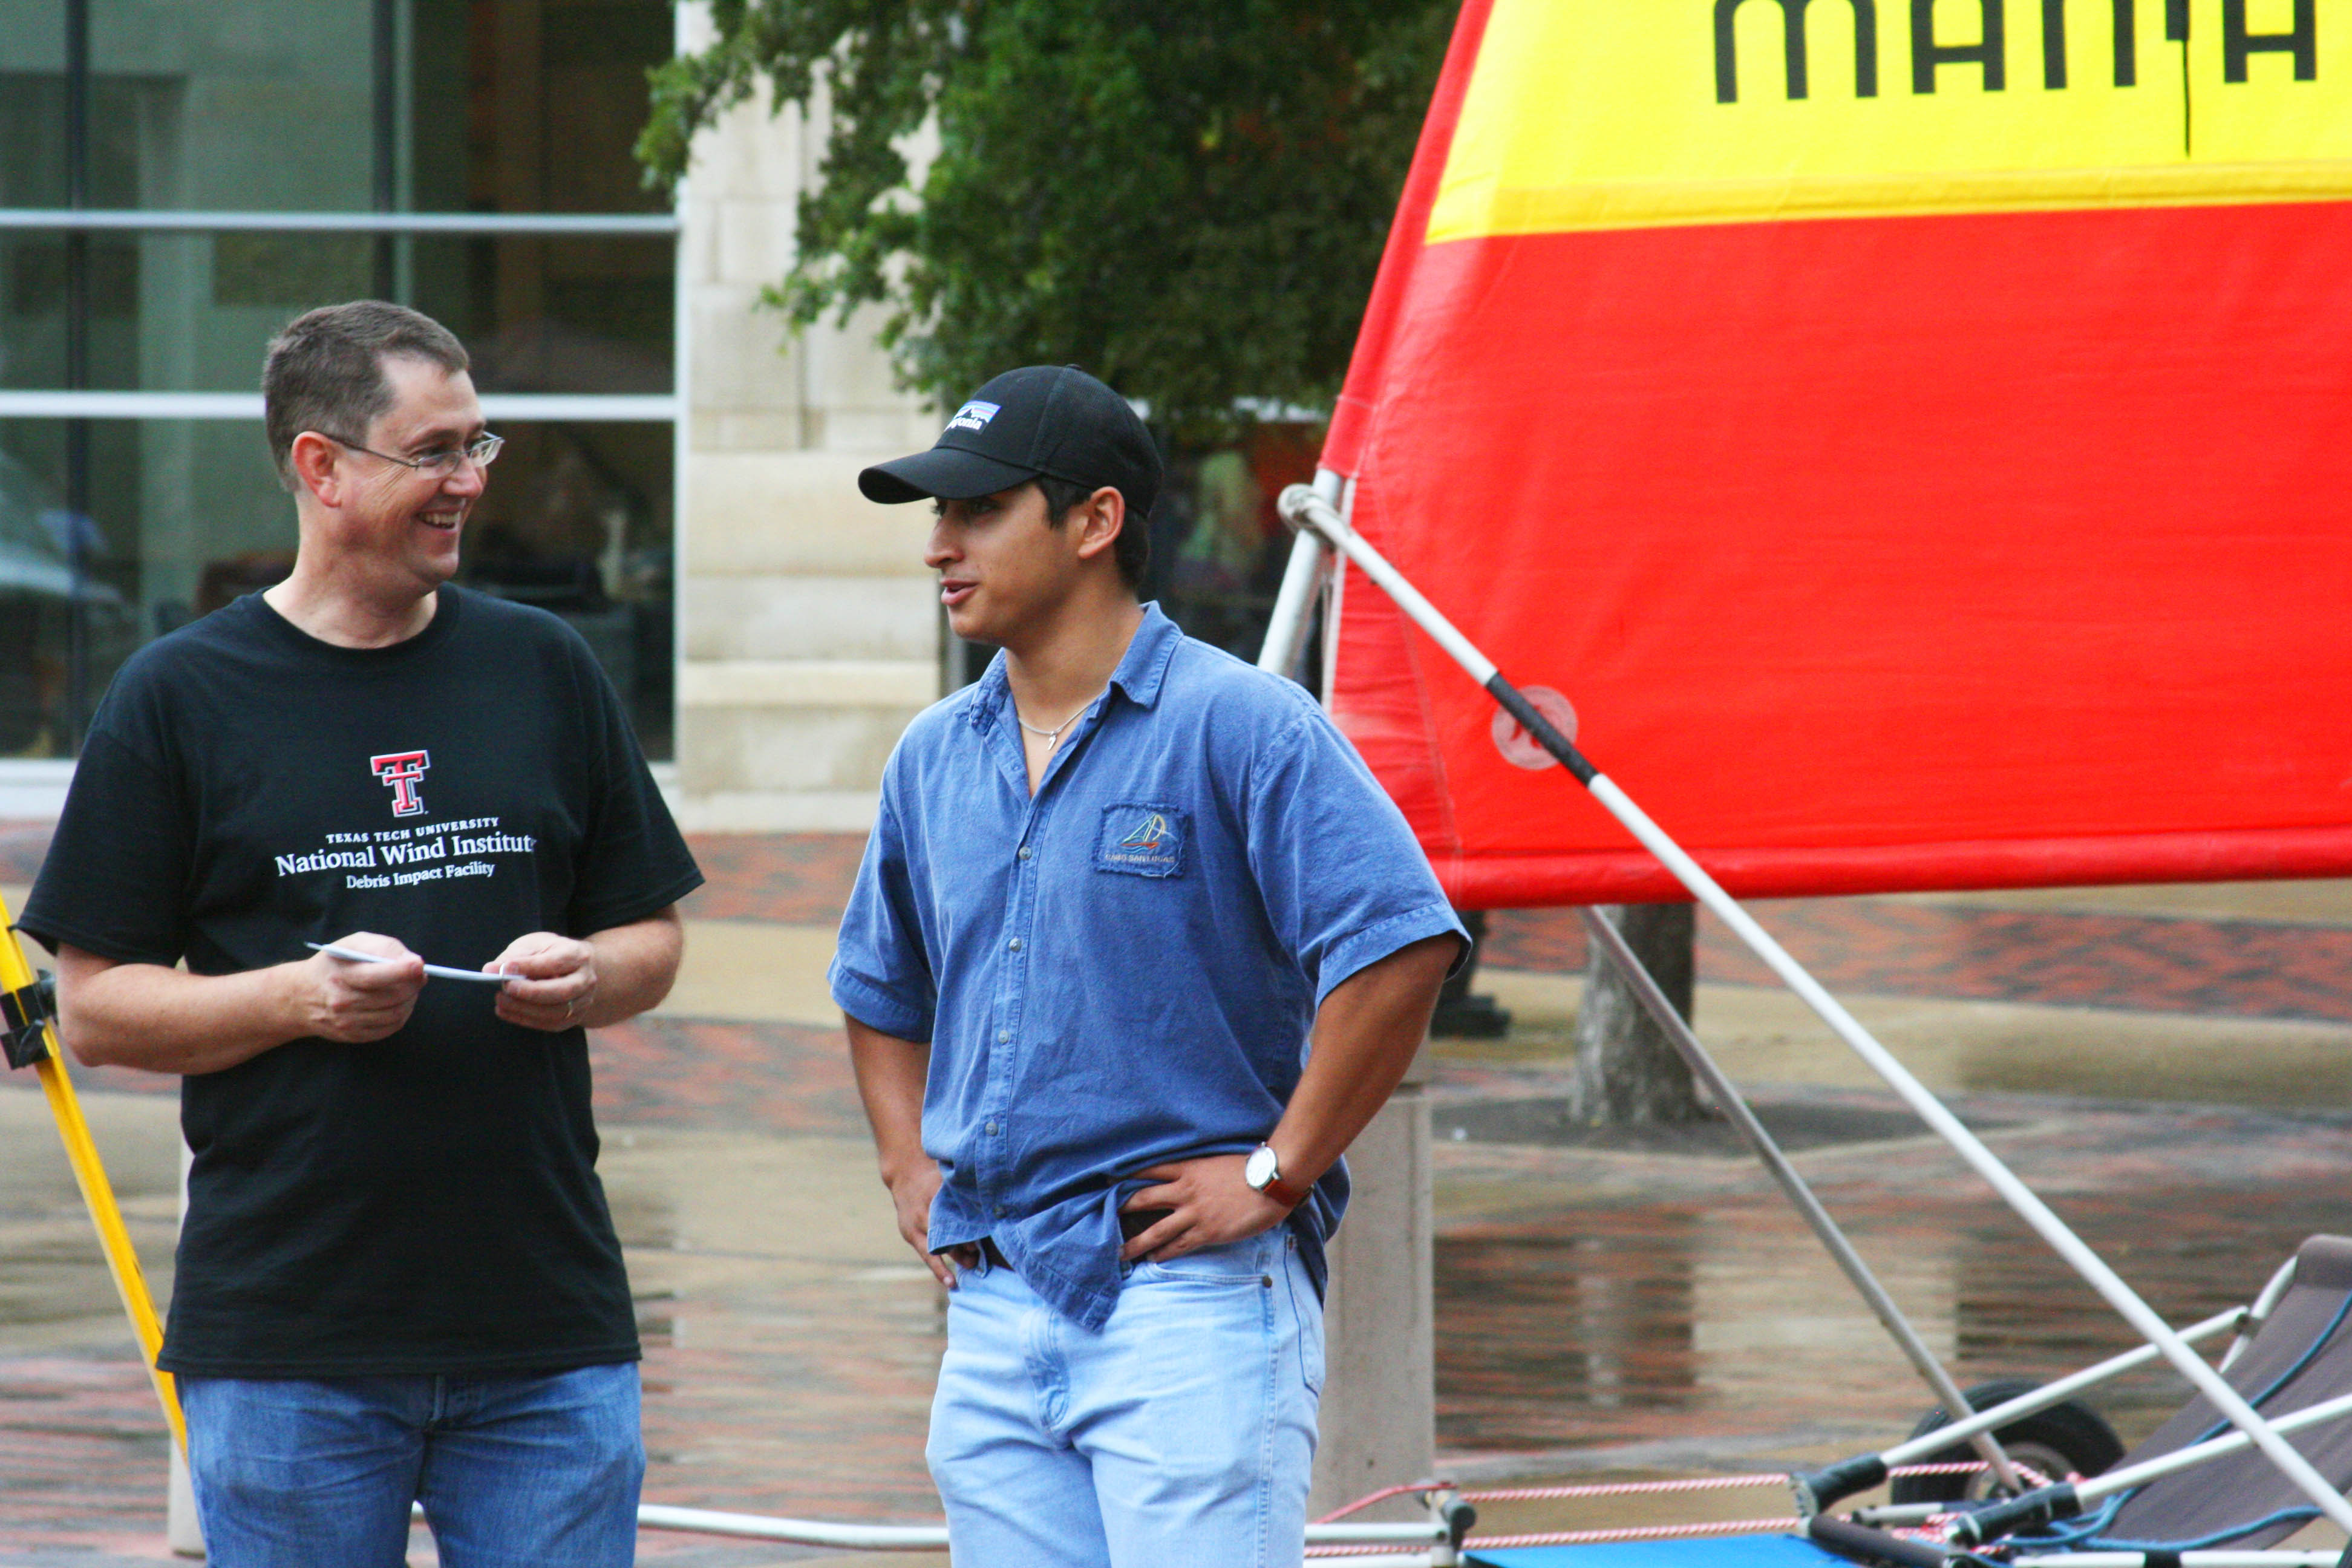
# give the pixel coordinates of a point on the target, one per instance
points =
(1522, 750)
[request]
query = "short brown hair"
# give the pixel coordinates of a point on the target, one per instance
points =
(325, 370)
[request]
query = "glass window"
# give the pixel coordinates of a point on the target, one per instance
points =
(115, 529)
(61, 611)
(534, 108)
(191, 312)
(266, 104)
(576, 520)
(33, 174)
(32, 104)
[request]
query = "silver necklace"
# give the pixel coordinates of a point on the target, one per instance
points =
(1053, 736)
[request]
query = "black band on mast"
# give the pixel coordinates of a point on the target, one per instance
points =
(24, 1016)
(1536, 724)
(1817, 1490)
(2030, 1511)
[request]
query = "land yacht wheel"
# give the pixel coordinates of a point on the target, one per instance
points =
(2069, 1438)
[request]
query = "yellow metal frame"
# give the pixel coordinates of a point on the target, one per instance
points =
(97, 1192)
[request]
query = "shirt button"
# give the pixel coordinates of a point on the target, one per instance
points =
(1024, 852)
(992, 1127)
(1004, 1037)
(1000, 1211)
(1014, 944)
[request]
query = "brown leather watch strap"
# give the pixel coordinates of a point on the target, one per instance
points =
(1283, 1192)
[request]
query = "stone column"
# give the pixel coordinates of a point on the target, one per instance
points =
(180, 1527)
(808, 627)
(1379, 1420)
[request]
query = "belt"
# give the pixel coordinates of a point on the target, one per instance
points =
(1132, 1223)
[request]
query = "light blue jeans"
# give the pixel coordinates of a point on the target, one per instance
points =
(514, 1472)
(1182, 1433)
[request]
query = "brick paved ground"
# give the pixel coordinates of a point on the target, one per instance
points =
(779, 1078)
(2230, 968)
(1588, 1299)
(1693, 1300)
(776, 877)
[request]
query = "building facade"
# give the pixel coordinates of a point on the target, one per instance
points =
(809, 631)
(679, 479)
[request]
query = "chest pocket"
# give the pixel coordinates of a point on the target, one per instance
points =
(1142, 838)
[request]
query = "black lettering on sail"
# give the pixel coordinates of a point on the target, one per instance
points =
(1792, 28)
(2053, 44)
(2302, 42)
(1990, 51)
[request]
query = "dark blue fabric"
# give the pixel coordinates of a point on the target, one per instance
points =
(1122, 971)
(512, 1471)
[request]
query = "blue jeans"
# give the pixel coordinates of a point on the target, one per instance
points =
(1182, 1433)
(514, 1472)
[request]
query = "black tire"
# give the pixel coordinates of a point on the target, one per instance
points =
(2068, 1438)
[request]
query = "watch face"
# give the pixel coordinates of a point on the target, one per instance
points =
(1261, 1168)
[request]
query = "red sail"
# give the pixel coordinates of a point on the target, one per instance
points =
(1914, 549)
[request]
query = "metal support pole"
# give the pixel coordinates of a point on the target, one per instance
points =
(1726, 1096)
(1429, 1533)
(1307, 509)
(1285, 631)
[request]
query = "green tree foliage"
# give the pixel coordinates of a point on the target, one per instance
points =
(1188, 198)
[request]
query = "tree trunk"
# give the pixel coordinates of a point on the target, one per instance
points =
(1626, 1068)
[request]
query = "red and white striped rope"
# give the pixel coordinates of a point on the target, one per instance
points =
(1368, 1498)
(1633, 1532)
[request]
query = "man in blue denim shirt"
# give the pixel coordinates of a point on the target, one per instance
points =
(1113, 889)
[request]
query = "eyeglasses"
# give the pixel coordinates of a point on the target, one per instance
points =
(481, 451)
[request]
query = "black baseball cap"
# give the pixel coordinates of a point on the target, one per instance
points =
(1040, 419)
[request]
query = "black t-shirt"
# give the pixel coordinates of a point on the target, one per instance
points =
(427, 1203)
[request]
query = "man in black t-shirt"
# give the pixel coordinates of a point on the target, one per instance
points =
(397, 1280)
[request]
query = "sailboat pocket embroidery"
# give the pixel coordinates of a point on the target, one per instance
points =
(1142, 839)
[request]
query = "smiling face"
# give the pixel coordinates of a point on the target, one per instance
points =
(397, 524)
(1003, 566)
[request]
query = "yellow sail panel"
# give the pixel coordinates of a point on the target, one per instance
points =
(2272, 99)
(1602, 115)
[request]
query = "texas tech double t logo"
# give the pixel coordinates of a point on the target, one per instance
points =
(400, 770)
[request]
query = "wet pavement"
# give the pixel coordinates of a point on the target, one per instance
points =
(2168, 1066)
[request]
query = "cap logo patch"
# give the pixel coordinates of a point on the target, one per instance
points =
(973, 415)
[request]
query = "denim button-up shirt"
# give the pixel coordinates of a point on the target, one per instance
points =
(1122, 970)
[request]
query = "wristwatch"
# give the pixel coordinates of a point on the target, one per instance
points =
(1264, 1172)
